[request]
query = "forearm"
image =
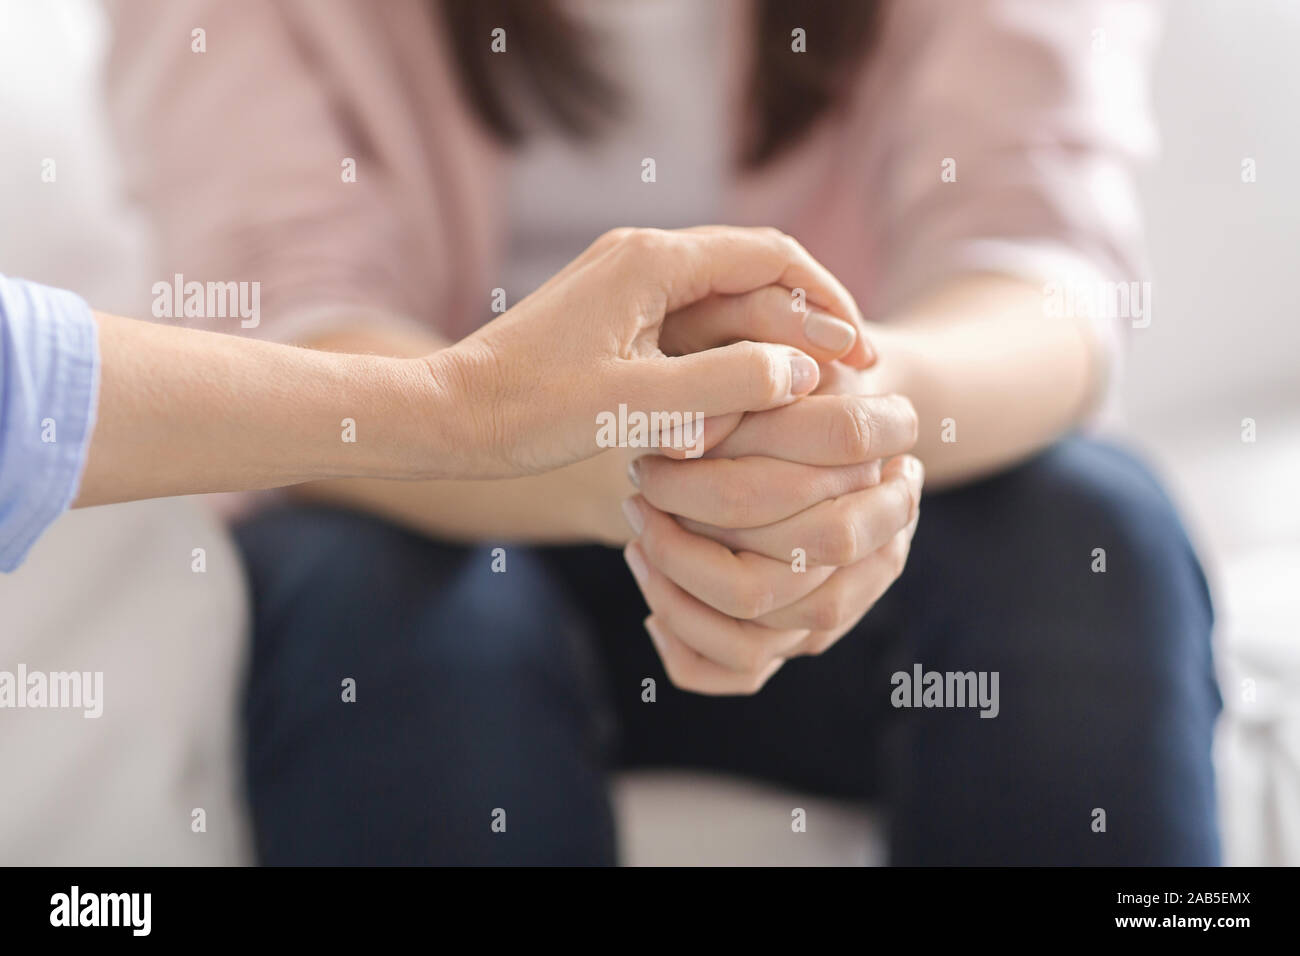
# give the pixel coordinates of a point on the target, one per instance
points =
(187, 412)
(576, 504)
(570, 505)
(992, 377)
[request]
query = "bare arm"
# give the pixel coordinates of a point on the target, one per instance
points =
(578, 503)
(605, 311)
(185, 412)
(981, 352)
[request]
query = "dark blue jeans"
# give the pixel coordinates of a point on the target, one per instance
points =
(508, 697)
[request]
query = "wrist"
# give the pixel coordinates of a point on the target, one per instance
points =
(390, 417)
(895, 370)
(600, 485)
(437, 408)
(470, 426)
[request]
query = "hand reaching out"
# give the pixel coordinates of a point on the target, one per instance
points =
(532, 382)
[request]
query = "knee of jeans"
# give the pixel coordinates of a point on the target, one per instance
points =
(331, 585)
(1137, 577)
(500, 612)
(1082, 545)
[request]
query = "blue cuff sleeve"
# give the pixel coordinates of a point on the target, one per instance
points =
(49, 388)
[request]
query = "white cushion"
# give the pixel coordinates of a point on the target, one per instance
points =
(111, 590)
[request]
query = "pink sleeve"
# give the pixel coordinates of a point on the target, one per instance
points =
(237, 153)
(1014, 129)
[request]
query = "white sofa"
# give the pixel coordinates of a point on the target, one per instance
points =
(1221, 347)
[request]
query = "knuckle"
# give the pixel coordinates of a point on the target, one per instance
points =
(825, 614)
(782, 242)
(919, 482)
(677, 675)
(820, 644)
(754, 683)
(768, 378)
(644, 241)
(791, 248)
(912, 420)
(748, 601)
(836, 541)
(786, 241)
(914, 489)
(653, 545)
(771, 299)
(906, 501)
(751, 655)
(736, 496)
(656, 479)
(614, 236)
(852, 429)
(896, 557)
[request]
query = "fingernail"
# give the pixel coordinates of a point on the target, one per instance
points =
(634, 472)
(636, 561)
(827, 332)
(632, 512)
(803, 374)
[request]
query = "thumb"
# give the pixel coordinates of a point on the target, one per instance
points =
(742, 377)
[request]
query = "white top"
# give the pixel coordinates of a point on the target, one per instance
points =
(565, 193)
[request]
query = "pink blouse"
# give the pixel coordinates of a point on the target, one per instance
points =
(1039, 107)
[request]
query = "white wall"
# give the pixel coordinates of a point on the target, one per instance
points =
(74, 232)
(1225, 333)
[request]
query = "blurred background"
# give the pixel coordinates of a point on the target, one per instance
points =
(1223, 346)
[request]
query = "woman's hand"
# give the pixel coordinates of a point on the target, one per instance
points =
(527, 388)
(747, 560)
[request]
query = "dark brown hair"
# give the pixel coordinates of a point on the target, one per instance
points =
(549, 53)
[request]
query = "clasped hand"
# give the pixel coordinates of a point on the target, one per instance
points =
(801, 512)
